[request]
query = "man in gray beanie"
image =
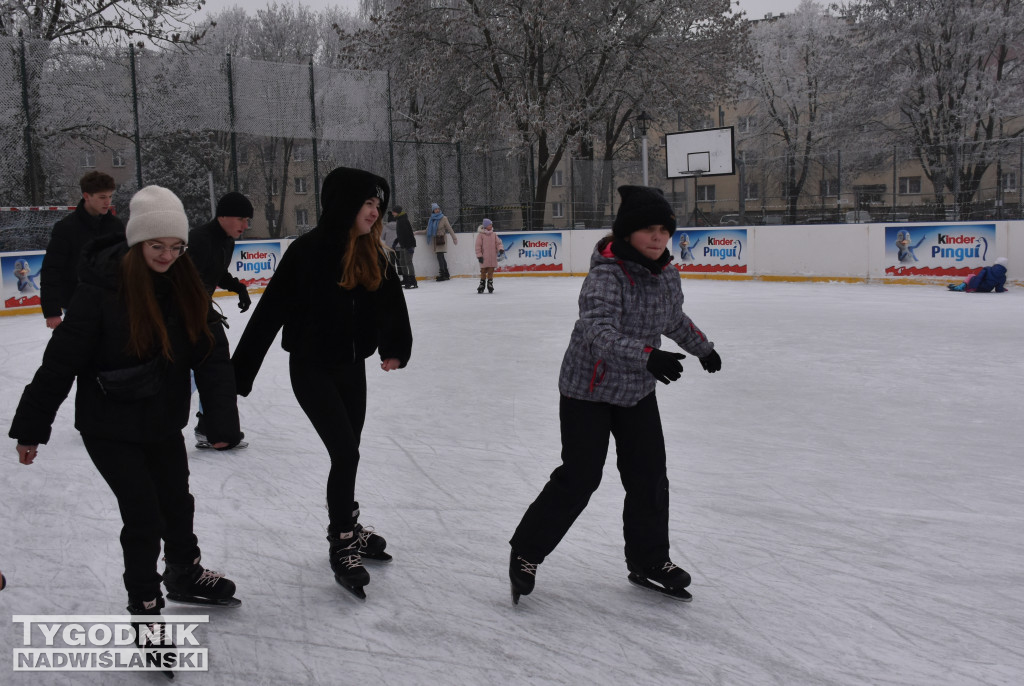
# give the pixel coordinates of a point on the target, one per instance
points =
(211, 247)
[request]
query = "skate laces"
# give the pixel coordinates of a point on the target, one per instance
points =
(209, 578)
(669, 567)
(527, 567)
(363, 534)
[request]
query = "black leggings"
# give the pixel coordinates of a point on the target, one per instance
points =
(640, 449)
(334, 399)
(150, 482)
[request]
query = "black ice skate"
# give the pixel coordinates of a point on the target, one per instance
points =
(490, 285)
(523, 574)
(151, 635)
(347, 563)
(191, 584)
(480, 288)
(663, 577)
(371, 544)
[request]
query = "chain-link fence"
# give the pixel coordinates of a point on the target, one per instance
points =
(203, 125)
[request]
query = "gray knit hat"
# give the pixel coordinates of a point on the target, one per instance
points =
(155, 212)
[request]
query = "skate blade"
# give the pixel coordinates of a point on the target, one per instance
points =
(206, 445)
(203, 602)
(680, 594)
(377, 557)
(357, 591)
(515, 596)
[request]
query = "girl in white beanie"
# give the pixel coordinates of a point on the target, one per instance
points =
(140, 321)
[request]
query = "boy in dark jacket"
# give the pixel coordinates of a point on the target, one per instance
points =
(406, 246)
(630, 298)
(92, 218)
(211, 247)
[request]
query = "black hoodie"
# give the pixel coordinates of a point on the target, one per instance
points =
(93, 338)
(322, 321)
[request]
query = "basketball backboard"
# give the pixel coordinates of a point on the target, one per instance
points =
(707, 152)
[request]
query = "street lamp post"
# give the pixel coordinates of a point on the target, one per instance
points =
(643, 121)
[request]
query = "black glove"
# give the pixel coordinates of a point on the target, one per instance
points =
(244, 301)
(711, 362)
(665, 366)
(480, 260)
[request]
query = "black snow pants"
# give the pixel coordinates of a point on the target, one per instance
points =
(640, 450)
(150, 482)
(334, 399)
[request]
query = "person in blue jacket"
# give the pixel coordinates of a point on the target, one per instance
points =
(987, 280)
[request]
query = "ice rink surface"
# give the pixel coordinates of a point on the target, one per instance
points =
(848, 494)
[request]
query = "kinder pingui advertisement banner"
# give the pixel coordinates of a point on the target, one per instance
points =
(710, 251)
(939, 250)
(528, 251)
(254, 263)
(20, 282)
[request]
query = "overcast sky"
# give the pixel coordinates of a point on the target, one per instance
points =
(755, 9)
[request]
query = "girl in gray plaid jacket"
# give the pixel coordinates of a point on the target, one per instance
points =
(631, 297)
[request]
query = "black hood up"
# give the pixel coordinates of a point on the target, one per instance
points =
(342, 193)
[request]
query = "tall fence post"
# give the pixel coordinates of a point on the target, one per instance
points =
(316, 155)
(231, 119)
(458, 167)
(391, 138)
(30, 166)
(135, 115)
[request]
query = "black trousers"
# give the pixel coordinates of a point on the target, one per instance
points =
(442, 264)
(640, 451)
(334, 399)
(150, 482)
(407, 269)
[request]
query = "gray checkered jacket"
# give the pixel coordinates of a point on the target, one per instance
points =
(624, 308)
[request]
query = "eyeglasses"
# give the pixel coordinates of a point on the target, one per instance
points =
(160, 248)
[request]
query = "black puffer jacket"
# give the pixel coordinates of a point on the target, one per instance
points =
(59, 273)
(323, 321)
(94, 337)
(211, 249)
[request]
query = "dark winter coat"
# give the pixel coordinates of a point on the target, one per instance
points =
(624, 310)
(59, 273)
(988, 279)
(211, 249)
(93, 339)
(322, 321)
(406, 238)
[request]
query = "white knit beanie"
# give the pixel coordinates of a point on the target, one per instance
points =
(155, 212)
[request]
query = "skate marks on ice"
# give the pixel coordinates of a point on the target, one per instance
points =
(845, 494)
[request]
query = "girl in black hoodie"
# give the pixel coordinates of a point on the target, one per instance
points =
(338, 298)
(139, 321)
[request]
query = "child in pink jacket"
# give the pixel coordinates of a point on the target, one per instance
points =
(488, 249)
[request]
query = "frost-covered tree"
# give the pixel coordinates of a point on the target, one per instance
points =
(952, 70)
(797, 97)
(102, 21)
(539, 76)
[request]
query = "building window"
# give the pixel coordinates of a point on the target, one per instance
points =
(275, 188)
(117, 158)
(829, 188)
(557, 210)
(88, 159)
(298, 154)
(243, 155)
(910, 185)
(748, 158)
(746, 124)
(750, 191)
(300, 184)
(706, 193)
(556, 178)
(301, 217)
(1010, 181)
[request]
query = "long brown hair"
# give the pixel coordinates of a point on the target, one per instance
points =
(147, 329)
(361, 264)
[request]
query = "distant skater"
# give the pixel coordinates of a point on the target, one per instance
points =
(630, 298)
(488, 249)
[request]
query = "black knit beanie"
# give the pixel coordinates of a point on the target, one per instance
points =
(642, 206)
(234, 205)
(345, 190)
